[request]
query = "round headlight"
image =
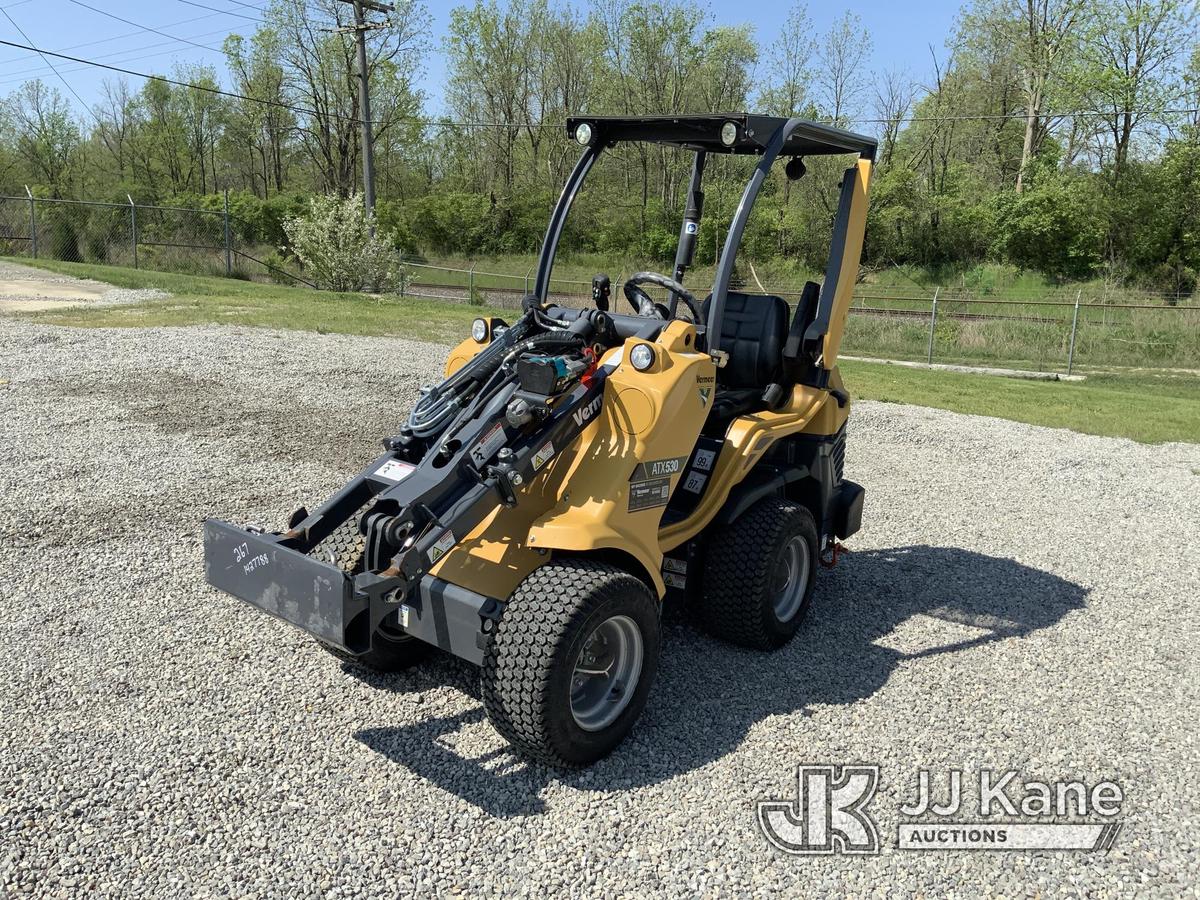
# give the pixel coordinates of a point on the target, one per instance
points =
(583, 133)
(479, 330)
(729, 134)
(642, 357)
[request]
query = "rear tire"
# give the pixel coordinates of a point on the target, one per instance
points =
(570, 664)
(759, 575)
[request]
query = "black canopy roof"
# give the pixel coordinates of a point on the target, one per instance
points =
(704, 133)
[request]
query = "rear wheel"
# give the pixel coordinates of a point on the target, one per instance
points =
(570, 664)
(759, 575)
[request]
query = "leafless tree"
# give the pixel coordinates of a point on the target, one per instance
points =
(894, 95)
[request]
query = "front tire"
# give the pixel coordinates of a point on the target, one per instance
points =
(391, 651)
(569, 667)
(759, 575)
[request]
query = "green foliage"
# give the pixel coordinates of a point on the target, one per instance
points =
(976, 167)
(332, 240)
(1055, 227)
(470, 224)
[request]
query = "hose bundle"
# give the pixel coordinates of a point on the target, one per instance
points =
(482, 378)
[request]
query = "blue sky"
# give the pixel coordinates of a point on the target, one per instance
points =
(901, 35)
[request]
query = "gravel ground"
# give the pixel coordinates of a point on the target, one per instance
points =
(26, 288)
(1020, 597)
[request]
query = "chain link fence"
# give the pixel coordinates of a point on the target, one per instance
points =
(164, 238)
(1049, 332)
(939, 325)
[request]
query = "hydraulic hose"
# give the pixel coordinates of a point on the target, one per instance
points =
(459, 397)
(502, 376)
(435, 409)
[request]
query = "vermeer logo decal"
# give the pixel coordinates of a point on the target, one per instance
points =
(585, 413)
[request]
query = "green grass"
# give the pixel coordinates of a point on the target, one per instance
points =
(1021, 332)
(1145, 406)
(200, 300)
(980, 281)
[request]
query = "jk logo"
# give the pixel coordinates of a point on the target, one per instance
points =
(828, 815)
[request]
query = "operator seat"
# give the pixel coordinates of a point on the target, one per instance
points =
(753, 331)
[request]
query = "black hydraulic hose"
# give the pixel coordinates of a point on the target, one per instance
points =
(566, 339)
(505, 376)
(494, 385)
(434, 411)
(491, 357)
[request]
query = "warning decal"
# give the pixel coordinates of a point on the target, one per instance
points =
(441, 546)
(671, 579)
(486, 449)
(394, 470)
(543, 456)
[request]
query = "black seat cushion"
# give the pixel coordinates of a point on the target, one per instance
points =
(753, 331)
(729, 404)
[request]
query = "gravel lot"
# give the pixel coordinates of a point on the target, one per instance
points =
(1020, 597)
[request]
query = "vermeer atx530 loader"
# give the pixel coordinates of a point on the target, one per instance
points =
(576, 465)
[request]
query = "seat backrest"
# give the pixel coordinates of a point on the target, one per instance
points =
(753, 330)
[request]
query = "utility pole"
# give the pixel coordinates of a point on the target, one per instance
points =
(360, 29)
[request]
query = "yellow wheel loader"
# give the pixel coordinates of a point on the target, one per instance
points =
(576, 465)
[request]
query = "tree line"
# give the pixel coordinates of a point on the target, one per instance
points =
(1061, 136)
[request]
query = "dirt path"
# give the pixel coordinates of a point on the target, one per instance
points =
(27, 289)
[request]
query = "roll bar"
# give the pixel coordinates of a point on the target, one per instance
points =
(558, 219)
(794, 128)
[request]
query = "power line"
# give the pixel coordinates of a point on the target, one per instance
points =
(21, 31)
(19, 75)
(299, 4)
(982, 117)
(225, 12)
(177, 83)
(143, 27)
(415, 120)
(115, 37)
(448, 123)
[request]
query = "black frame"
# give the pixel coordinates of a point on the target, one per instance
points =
(770, 137)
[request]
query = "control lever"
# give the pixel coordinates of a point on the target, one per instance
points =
(601, 290)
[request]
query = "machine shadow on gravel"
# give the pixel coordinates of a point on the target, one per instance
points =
(708, 694)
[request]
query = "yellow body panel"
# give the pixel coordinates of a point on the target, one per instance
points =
(810, 411)
(848, 274)
(580, 502)
(461, 355)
